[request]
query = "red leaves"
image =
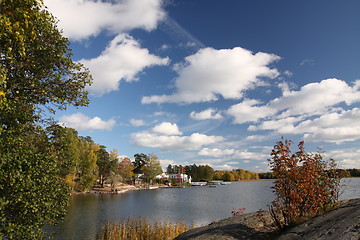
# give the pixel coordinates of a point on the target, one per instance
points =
(305, 184)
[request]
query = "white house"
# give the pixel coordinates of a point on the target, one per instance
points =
(178, 177)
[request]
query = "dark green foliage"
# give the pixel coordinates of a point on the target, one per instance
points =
(140, 160)
(197, 173)
(105, 165)
(31, 191)
(36, 71)
(267, 175)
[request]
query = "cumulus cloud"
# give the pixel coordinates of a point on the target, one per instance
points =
(312, 99)
(232, 154)
(215, 152)
(167, 137)
(96, 16)
(249, 111)
(123, 59)
(209, 73)
(82, 122)
(137, 122)
(206, 114)
(333, 127)
(346, 158)
(167, 128)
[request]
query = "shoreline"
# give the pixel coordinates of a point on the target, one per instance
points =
(344, 220)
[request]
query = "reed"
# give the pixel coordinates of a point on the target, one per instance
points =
(141, 229)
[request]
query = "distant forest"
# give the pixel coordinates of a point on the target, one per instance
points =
(345, 172)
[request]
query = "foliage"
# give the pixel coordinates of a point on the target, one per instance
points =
(152, 168)
(305, 184)
(87, 168)
(266, 175)
(32, 192)
(105, 164)
(140, 161)
(125, 168)
(133, 229)
(201, 172)
(36, 71)
(235, 175)
(35, 64)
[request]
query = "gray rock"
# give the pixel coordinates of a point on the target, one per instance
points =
(342, 223)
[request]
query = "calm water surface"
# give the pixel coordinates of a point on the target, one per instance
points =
(198, 205)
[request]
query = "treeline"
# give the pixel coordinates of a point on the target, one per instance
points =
(197, 172)
(83, 163)
(344, 173)
(205, 172)
(236, 175)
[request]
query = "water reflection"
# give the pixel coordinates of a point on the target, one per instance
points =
(198, 205)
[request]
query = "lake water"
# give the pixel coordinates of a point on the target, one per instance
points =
(198, 205)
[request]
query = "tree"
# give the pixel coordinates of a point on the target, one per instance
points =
(152, 168)
(32, 192)
(170, 169)
(36, 72)
(66, 148)
(140, 161)
(86, 169)
(125, 169)
(105, 165)
(305, 184)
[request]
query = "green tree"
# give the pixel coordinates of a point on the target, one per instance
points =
(105, 165)
(36, 72)
(32, 193)
(139, 162)
(66, 148)
(170, 169)
(86, 170)
(152, 168)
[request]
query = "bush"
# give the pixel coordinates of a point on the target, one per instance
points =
(305, 184)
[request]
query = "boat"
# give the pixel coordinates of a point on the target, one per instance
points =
(198, 183)
(225, 183)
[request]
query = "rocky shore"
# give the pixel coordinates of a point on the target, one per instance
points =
(340, 223)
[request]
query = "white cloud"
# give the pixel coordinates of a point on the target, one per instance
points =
(247, 111)
(215, 152)
(346, 158)
(333, 127)
(137, 122)
(312, 99)
(82, 122)
(167, 128)
(123, 59)
(206, 114)
(285, 125)
(225, 72)
(232, 154)
(172, 143)
(81, 19)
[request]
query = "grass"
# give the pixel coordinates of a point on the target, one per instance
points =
(141, 229)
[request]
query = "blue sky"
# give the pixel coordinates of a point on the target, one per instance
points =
(217, 82)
